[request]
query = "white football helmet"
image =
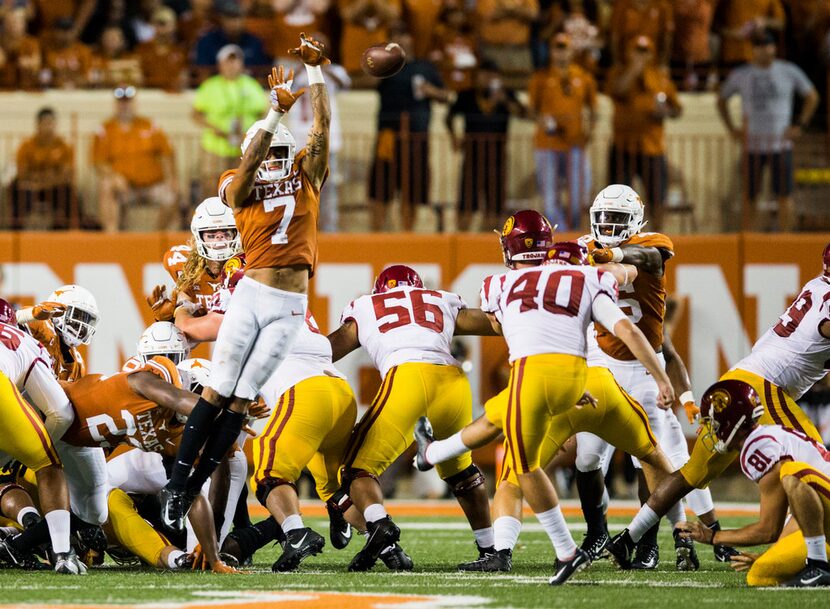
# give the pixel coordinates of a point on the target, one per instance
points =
(275, 169)
(212, 214)
(616, 215)
(195, 373)
(77, 325)
(162, 338)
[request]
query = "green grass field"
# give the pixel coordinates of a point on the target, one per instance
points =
(436, 546)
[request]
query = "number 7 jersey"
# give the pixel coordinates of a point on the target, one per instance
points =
(406, 325)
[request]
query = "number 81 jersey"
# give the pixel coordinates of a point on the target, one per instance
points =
(406, 325)
(793, 354)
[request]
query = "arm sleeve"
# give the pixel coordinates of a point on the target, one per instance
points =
(349, 313)
(49, 398)
(606, 312)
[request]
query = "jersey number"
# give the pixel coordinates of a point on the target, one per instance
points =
(557, 297)
(10, 337)
(789, 321)
(425, 314)
(280, 236)
(630, 306)
(112, 428)
(759, 461)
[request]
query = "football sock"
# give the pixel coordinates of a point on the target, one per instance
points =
(252, 538)
(196, 431)
(700, 501)
(374, 512)
(26, 510)
(171, 558)
(506, 531)
(484, 537)
(676, 513)
(643, 521)
(591, 487)
(292, 523)
(557, 529)
(226, 430)
(441, 450)
(815, 548)
(650, 536)
(32, 537)
(58, 521)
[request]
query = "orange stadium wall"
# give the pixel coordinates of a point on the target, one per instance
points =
(729, 287)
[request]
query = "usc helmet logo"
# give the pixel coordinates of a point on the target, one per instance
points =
(232, 265)
(720, 400)
(508, 226)
(392, 283)
(528, 242)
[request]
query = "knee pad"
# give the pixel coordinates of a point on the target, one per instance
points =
(339, 502)
(264, 488)
(588, 462)
(465, 481)
(350, 474)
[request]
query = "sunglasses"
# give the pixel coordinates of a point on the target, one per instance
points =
(124, 92)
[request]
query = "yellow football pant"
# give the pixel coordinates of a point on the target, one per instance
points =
(408, 392)
(310, 427)
(704, 465)
(22, 434)
(132, 531)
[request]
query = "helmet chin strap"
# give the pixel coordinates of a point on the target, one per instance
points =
(722, 446)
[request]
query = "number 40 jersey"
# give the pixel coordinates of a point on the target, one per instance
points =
(406, 325)
(793, 354)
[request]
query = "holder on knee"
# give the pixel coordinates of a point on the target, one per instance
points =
(264, 488)
(350, 474)
(465, 481)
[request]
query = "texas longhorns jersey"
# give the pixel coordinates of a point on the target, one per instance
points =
(278, 221)
(643, 301)
(770, 444)
(67, 362)
(108, 412)
(202, 292)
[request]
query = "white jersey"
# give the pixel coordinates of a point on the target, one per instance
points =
(792, 354)
(548, 308)
(406, 325)
(769, 444)
(19, 353)
(310, 356)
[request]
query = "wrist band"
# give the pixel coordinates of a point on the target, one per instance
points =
(24, 316)
(617, 254)
(315, 75)
(687, 396)
(272, 121)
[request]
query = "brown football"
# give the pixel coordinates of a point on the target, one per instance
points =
(383, 60)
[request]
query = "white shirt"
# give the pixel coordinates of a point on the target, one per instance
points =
(548, 308)
(769, 444)
(792, 354)
(406, 325)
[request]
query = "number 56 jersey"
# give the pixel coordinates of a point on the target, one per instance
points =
(547, 309)
(406, 325)
(793, 354)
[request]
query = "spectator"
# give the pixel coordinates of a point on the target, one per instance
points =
(301, 120)
(738, 20)
(51, 12)
(486, 108)
(577, 19)
(401, 162)
(113, 64)
(141, 27)
(504, 28)
(44, 174)
(225, 106)
(163, 61)
(135, 164)
(196, 22)
(68, 62)
(454, 45)
(766, 87)
(231, 30)
(19, 53)
(560, 97)
(644, 96)
(365, 23)
(633, 18)
(294, 17)
(423, 17)
(691, 54)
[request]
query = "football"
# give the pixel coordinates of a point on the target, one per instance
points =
(383, 60)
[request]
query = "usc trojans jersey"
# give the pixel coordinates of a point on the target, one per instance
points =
(108, 412)
(202, 292)
(770, 444)
(67, 362)
(643, 301)
(19, 352)
(546, 309)
(793, 354)
(278, 222)
(406, 325)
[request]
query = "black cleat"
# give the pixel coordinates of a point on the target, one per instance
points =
(299, 545)
(381, 535)
(423, 437)
(497, 561)
(595, 545)
(29, 520)
(340, 531)
(815, 573)
(396, 559)
(564, 569)
(646, 557)
(621, 549)
(724, 553)
(20, 560)
(174, 507)
(686, 554)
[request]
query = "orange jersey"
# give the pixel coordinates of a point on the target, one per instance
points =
(202, 292)
(278, 222)
(644, 301)
(108, 412)
(67, 363)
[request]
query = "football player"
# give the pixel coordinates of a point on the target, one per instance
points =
(783, 364)
(406, 330)
(792, 471)
(616, 221)
(275, 195)
(161, 338)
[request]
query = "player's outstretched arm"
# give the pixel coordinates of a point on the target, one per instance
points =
(199, 329)
(679, 376)
(344, 340)
(312, 53)
(152, 388)
(475, 322)
(625, 274)
(648, 259)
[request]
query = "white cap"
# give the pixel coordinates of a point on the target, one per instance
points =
(228, 50)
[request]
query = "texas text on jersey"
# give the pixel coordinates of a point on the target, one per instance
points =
(201, 292)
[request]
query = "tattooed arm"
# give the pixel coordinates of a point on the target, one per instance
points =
(316, 160)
